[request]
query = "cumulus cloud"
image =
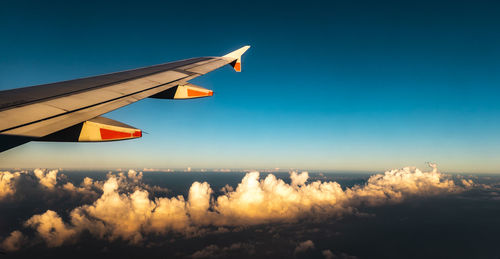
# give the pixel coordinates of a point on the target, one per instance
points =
(468, 183)
(299, 179)
(136, 177)
(14, 241)
(7, 180)
(47, 179)
(304, 246)
(395, 185)
(199, 202)
(125, 209)
(126, 216)
(51, 228)
(40, 184)
(127, 182)
(120, 215)
(258, 201)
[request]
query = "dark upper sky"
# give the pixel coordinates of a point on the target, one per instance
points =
(360, 85)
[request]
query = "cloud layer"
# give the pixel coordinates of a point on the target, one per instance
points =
(124, 208)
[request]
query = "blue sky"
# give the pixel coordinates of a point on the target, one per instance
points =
(343, 85)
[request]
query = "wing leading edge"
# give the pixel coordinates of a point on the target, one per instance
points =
(45, 112)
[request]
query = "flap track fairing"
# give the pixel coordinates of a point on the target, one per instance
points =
(98, 129)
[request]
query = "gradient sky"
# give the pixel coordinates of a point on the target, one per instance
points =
(338, 85)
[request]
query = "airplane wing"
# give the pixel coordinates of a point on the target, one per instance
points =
(69, 111)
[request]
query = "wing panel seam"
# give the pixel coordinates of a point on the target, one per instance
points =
(90, 106)
(86, 89)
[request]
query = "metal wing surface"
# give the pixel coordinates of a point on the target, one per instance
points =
(44, 112)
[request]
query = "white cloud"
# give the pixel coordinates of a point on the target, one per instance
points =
(396, 184)
(47, 179)
(199, 202)
(299, 179)
(136, 177)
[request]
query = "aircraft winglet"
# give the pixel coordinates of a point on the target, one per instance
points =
(235, 56)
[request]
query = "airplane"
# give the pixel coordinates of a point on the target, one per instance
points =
(70, 111)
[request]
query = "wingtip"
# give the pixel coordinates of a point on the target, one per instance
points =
(234, 58)
(237, 53)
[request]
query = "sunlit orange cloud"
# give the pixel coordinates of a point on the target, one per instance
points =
(7, 183)
(124, 210)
